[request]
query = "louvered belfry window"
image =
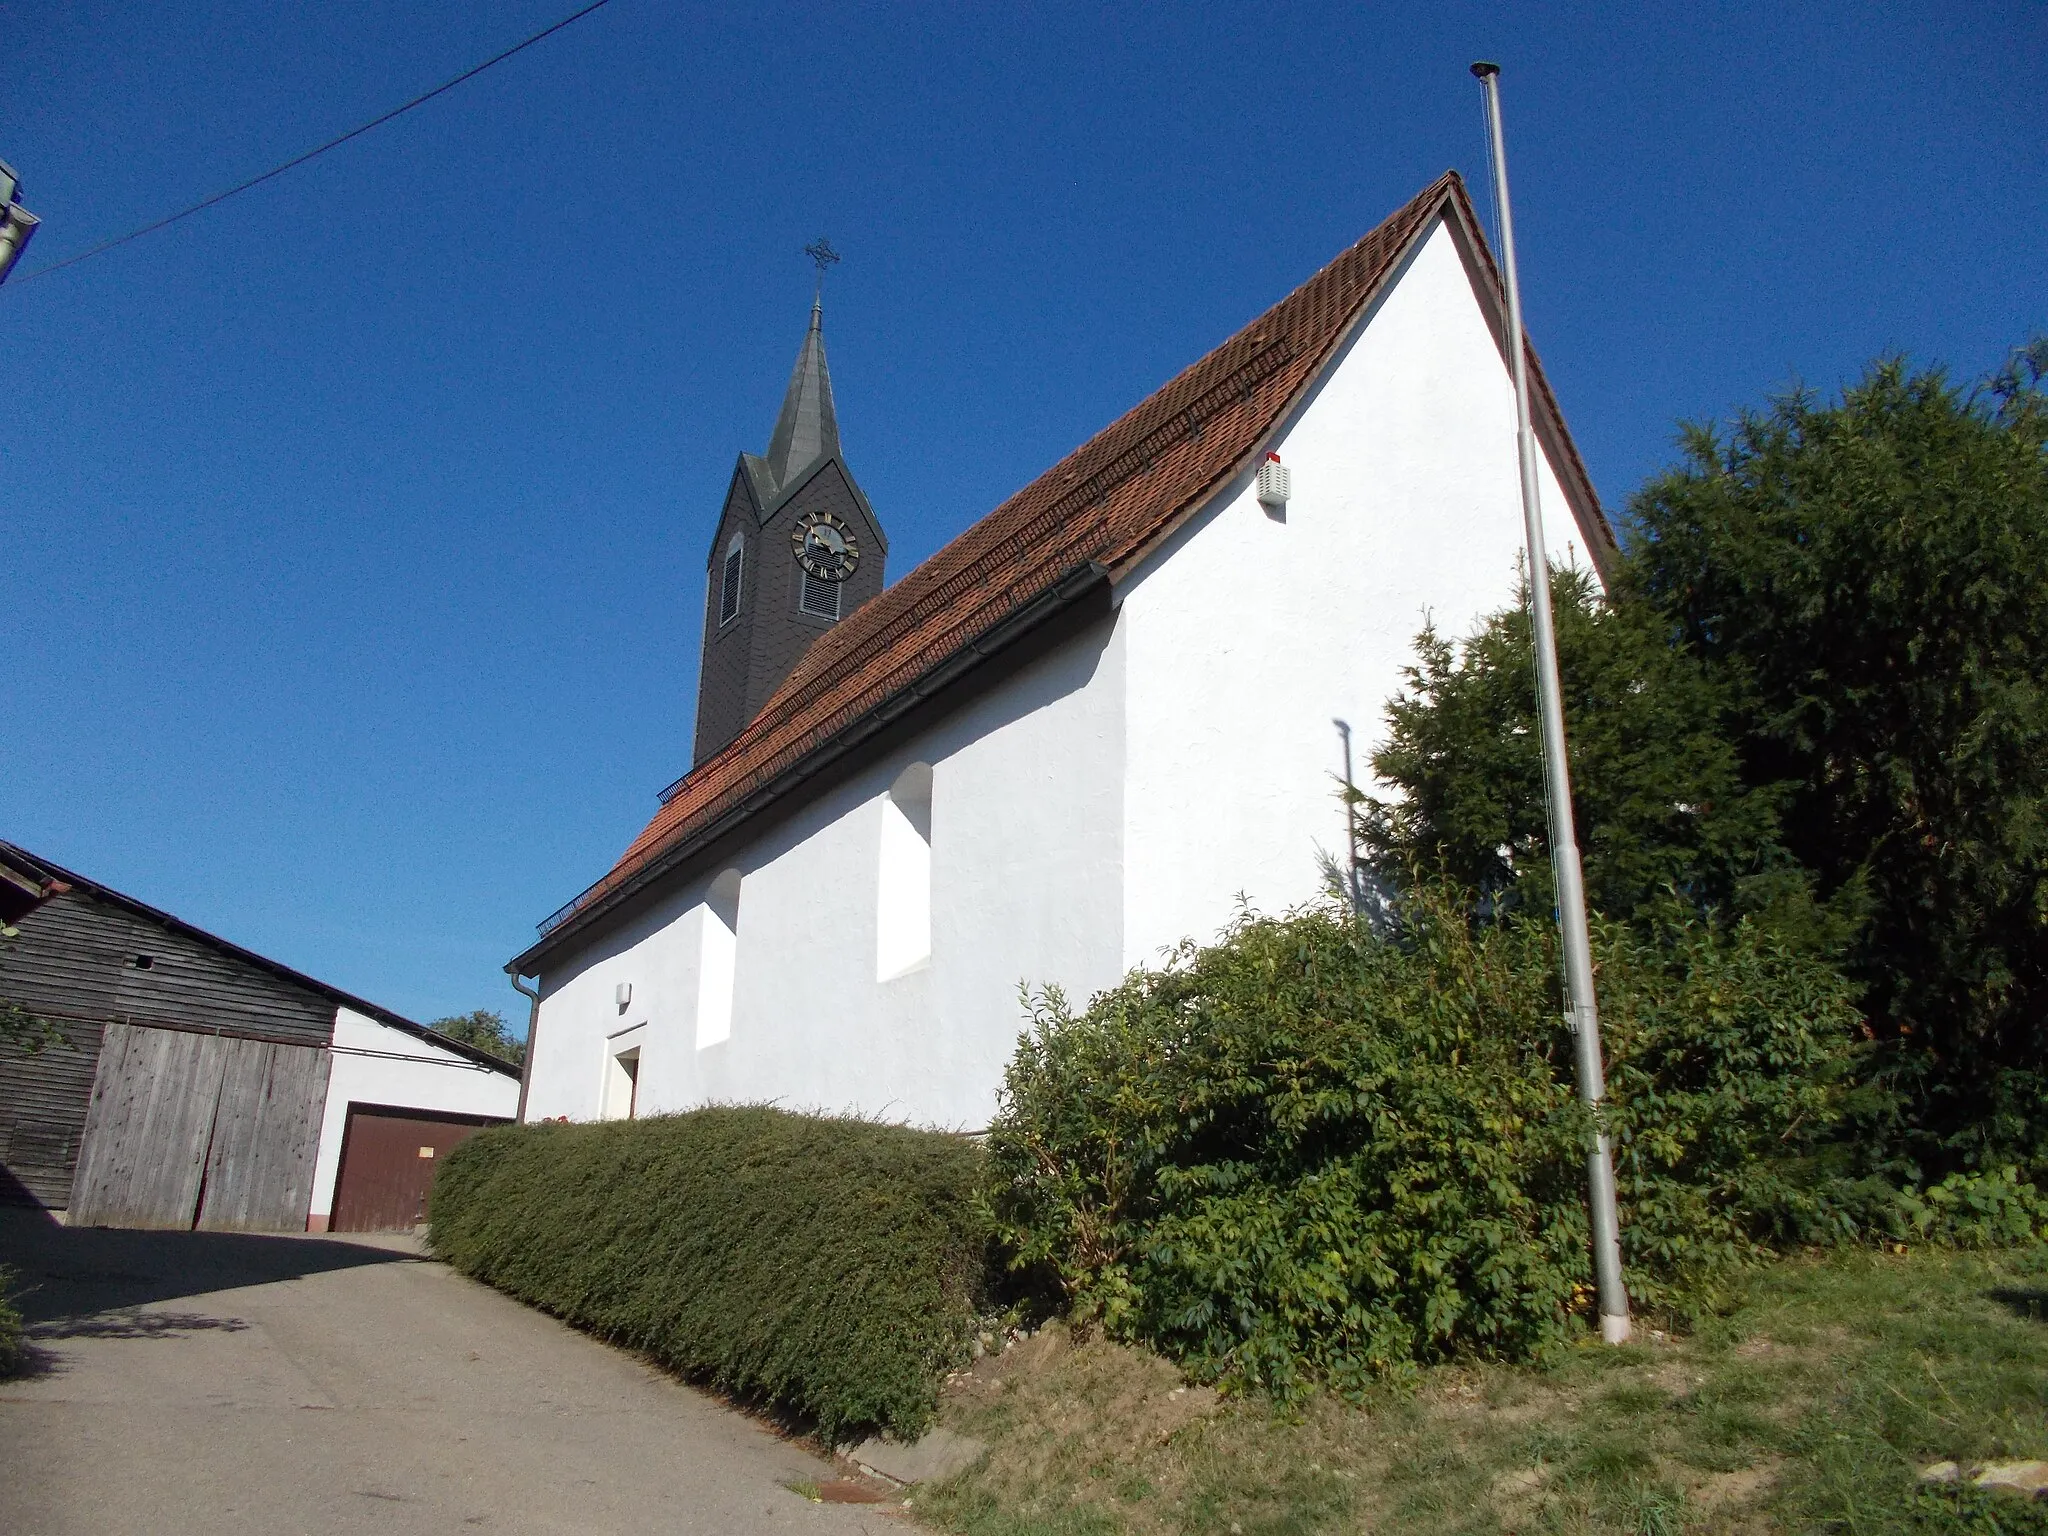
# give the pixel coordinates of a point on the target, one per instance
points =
(729, 591)
(820, 597)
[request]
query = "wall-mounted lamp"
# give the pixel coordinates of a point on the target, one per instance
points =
(624, 994)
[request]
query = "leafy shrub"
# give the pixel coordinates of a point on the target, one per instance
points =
(27, 1031)
(13, 1352)
(1309, 1152)
(484, 1028)
(1989, 1209)
(826, 1266)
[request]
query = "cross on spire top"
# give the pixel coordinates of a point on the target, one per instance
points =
(822, 256)
(808, 428)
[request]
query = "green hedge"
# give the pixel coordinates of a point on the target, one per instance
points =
(1309, 1153)
(829, 1267)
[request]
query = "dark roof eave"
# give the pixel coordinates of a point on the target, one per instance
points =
(1547, 415)
(276, 968)
(1062, 595)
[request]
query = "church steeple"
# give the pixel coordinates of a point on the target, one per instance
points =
(797, 547)
(808, 428)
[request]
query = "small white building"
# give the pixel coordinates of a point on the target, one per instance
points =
(1080, 733)
(399, 1098)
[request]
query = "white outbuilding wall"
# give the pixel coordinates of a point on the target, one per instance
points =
(1106, 802)
(376, 1064)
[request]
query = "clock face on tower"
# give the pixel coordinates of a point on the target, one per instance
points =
(825, 546)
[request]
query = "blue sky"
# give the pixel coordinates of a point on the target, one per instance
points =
(355, 530)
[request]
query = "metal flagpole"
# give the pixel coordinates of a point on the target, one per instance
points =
(1584, 1017)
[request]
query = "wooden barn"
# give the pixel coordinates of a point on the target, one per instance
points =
(179, 1080)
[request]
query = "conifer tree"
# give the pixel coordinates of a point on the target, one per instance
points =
(1815, 698)
(1665, 812)
(1874, 574)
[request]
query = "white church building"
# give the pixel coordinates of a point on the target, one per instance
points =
(1077, 735)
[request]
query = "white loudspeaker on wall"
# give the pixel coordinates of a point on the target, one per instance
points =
(1274, 482)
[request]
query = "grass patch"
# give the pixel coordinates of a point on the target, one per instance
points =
(826, 1267)
(1809, 1403)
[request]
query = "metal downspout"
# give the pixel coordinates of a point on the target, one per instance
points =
(532, 1026)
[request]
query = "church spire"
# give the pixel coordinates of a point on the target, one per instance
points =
(808, 428)
(796, 550)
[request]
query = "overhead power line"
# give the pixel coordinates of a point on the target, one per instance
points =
(312, 154)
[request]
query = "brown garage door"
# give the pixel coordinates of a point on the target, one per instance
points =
(388, 1159)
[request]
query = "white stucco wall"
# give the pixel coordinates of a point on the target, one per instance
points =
(1025, 822)
(376, 1064)
(1248, 634)
(1116, 796)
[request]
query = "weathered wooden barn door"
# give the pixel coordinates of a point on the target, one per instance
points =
(188, 1130)
(266, 1136)
(143, 1157)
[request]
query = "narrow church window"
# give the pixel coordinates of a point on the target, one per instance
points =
(729, 591)
(903, 908)
(820, 597)
(718, 959)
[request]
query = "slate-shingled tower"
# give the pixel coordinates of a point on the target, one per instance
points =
(762, 605)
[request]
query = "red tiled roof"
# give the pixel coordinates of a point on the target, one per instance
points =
(1107, 504)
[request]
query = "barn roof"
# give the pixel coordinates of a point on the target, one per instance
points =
(1090, 518)
(22, 870)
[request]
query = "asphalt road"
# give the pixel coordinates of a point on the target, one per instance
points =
(203, 1382)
